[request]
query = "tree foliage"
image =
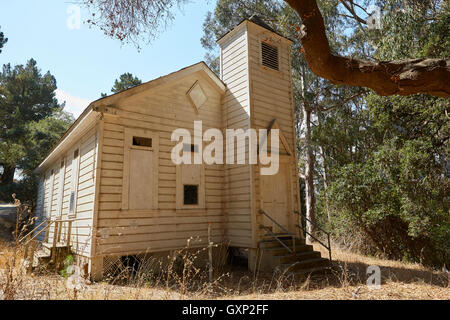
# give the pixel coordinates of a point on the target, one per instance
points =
(130, 20)
(3, 40)
(125, 81)
(32, 120)
(388, 156)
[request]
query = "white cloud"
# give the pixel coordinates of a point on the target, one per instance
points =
(74, 105)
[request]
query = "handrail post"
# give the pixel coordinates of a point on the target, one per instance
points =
(69, 233)
(329, 247)
(55, 230)
(59, 231)
(317, 227)
(293, 246)
(31, 257)
(47, 231)
(27, 238)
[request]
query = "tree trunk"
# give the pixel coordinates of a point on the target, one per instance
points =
(325, 181)
(8, 174)
(309, 176)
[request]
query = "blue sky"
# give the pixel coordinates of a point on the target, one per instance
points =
(84, 61)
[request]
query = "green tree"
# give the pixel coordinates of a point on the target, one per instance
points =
(388, 157)
(125, 81)
(27, 106)
(3, 41)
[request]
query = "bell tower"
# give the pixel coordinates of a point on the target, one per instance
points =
(255, 65)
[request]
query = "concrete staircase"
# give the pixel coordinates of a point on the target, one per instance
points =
(304, 261)
(42, 255)
(50, 252)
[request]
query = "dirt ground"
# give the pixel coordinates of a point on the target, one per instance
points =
(348, 281)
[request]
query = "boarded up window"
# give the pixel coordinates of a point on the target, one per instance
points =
(141, 179)
(269, 56)
(142, 142)
(190, 194)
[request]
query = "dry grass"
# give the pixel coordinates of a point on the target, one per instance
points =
(399, 281)
(348, 281)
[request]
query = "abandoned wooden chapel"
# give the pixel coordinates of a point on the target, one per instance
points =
(110, 189)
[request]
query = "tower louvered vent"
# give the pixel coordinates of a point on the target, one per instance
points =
(269, 56)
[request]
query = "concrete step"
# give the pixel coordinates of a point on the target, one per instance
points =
(280, 250)
(305, 264)
(50, 245)
(40, 256)
(271, 243)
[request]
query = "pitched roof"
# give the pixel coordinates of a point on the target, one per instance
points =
(129, 92)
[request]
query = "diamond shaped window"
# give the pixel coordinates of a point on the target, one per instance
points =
(197, 96)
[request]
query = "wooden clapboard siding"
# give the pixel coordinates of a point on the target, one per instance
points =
(82, 225)
(161, 110)
(236, 115)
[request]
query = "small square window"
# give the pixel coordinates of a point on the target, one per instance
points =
(142, 142)
(190, 194)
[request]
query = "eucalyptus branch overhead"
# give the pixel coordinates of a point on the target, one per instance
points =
(402, 77)
(350, 8)
(130, 20)
(340, 104)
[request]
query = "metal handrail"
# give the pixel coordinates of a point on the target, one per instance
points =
(36, 228)
(276, 238)
(312, 236)
(274, 221)
(49, 222)
(282, 228)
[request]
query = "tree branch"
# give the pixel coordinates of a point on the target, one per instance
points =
(337, 105)
(352, 11)
(386, 78)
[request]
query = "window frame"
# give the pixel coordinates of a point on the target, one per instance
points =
(200, 183)
(274, 44)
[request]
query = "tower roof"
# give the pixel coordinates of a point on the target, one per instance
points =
(256, 20)
(260, 22)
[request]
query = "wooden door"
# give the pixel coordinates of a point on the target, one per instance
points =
(275, 198)
(141, 179)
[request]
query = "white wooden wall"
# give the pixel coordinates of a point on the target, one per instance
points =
(161, 110)
(236, 114)
(50, 187)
